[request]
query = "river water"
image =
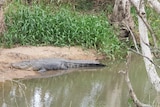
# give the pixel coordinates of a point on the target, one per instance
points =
(82, 88)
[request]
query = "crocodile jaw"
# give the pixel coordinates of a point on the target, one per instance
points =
(22, 65)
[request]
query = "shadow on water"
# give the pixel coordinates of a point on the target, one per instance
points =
(95, 88)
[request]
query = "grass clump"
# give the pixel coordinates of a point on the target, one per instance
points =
(36, 25)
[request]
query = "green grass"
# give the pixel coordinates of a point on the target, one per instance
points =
(39, 25)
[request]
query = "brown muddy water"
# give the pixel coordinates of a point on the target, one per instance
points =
(94, 88)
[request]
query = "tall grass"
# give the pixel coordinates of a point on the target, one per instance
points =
(36, 25)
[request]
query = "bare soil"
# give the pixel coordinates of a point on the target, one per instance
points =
(8, 56)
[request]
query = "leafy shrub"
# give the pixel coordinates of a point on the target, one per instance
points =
(36, 25)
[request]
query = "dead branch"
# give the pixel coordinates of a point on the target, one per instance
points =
(147, 25)
(155, 4)
(131, 91)
(133, 37)
(145, 57)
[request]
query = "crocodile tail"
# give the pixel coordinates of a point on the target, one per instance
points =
(80, 65)
(97, 65)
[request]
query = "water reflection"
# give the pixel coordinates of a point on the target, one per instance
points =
(37, 97)
(89, 99)
(114, 96)
(100, 88)
(39, 100)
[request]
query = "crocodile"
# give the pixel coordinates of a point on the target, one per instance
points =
(46, 64)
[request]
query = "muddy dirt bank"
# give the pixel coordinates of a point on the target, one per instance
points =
(8, 56)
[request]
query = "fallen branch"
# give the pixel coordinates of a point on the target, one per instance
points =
(131, 91)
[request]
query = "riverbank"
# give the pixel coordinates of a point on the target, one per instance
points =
(12, 55)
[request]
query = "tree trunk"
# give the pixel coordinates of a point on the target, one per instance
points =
(121, 17)
(144, 42)
(2, 23)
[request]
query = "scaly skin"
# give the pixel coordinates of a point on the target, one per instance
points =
(43, 65)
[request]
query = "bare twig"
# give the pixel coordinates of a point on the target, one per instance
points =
(133, 37)
(145, 57)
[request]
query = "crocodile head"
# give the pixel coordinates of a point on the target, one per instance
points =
(22, 65)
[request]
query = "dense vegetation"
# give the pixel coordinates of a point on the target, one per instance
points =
(58, 26)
